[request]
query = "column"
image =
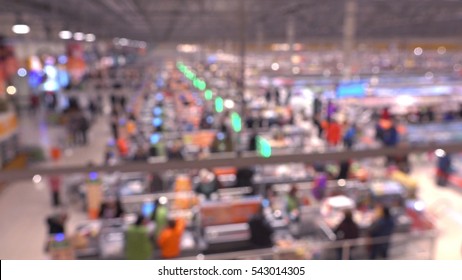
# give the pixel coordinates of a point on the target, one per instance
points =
(290, 34)
(260, 37)
(349, 37)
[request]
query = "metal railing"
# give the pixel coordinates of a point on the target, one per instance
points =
(413, 245)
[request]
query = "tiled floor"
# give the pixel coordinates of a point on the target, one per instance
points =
(24, 205)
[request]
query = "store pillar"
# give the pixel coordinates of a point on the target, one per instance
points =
(290, 34)
(349, 37)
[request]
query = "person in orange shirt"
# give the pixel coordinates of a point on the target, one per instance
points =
(170, 239)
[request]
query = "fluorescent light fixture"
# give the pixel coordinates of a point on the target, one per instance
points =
(90, 37)
(21, 28)
(79, 36)
(65, 34)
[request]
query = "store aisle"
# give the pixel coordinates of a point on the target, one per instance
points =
(24, 205)
(446, 204)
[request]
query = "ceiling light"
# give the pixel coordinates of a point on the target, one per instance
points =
(22, 72)
(21, 28)
(65, 34)
(440, 153)
(429, 75)
(11, 90)
(37, 179)
(229, 104)
(90, 37)
(418, 51)
(79, 36)
(441, 50)
(123, 42)
(275, 66)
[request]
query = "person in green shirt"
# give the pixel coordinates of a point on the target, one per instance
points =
(138, 245)
(160, 217)
(293, 203)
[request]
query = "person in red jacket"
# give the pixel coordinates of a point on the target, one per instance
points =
(333, 132)
(55, 185)
(170, 239)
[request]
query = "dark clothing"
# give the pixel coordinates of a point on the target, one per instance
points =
(384, 227)
(277, 96)
(253, 143)
(344, 170)
(105, 212)
(207, 189)
(390, 136)
(123, 102)
(317, 106)
(115, 131)
(177, 155)
(55, 198)
(244, 177)
(260, 231)
(55, 225)
(347, 229)
(268, 96)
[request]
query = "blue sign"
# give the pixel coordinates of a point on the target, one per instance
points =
(351, 90)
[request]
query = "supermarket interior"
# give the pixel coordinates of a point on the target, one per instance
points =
(231, 130)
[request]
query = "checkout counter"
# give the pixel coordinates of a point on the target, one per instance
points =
(220, 225)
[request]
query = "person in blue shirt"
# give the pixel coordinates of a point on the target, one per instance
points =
(350, 136)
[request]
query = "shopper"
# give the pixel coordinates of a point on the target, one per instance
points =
(268, 96)
(333, 132)
(318, 123)
(175, 151)
(330, 110)
(344, 170)
(83, 127)
(122, 147)
(244, 176)
(319, 186)
(138, 245)
(57, 223)
(349, 138)
(381, 229)
(160, 216)
(346, 230)
(277, 96)
(289, 96)
(170, 239)
(444, 169)
(317, 106)
(208, 183)
(260, 230)
(123, 102)
(55, 186)
(111, 208)
(252, 147)
(115, 125)
(385, 115)
(293, 204)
